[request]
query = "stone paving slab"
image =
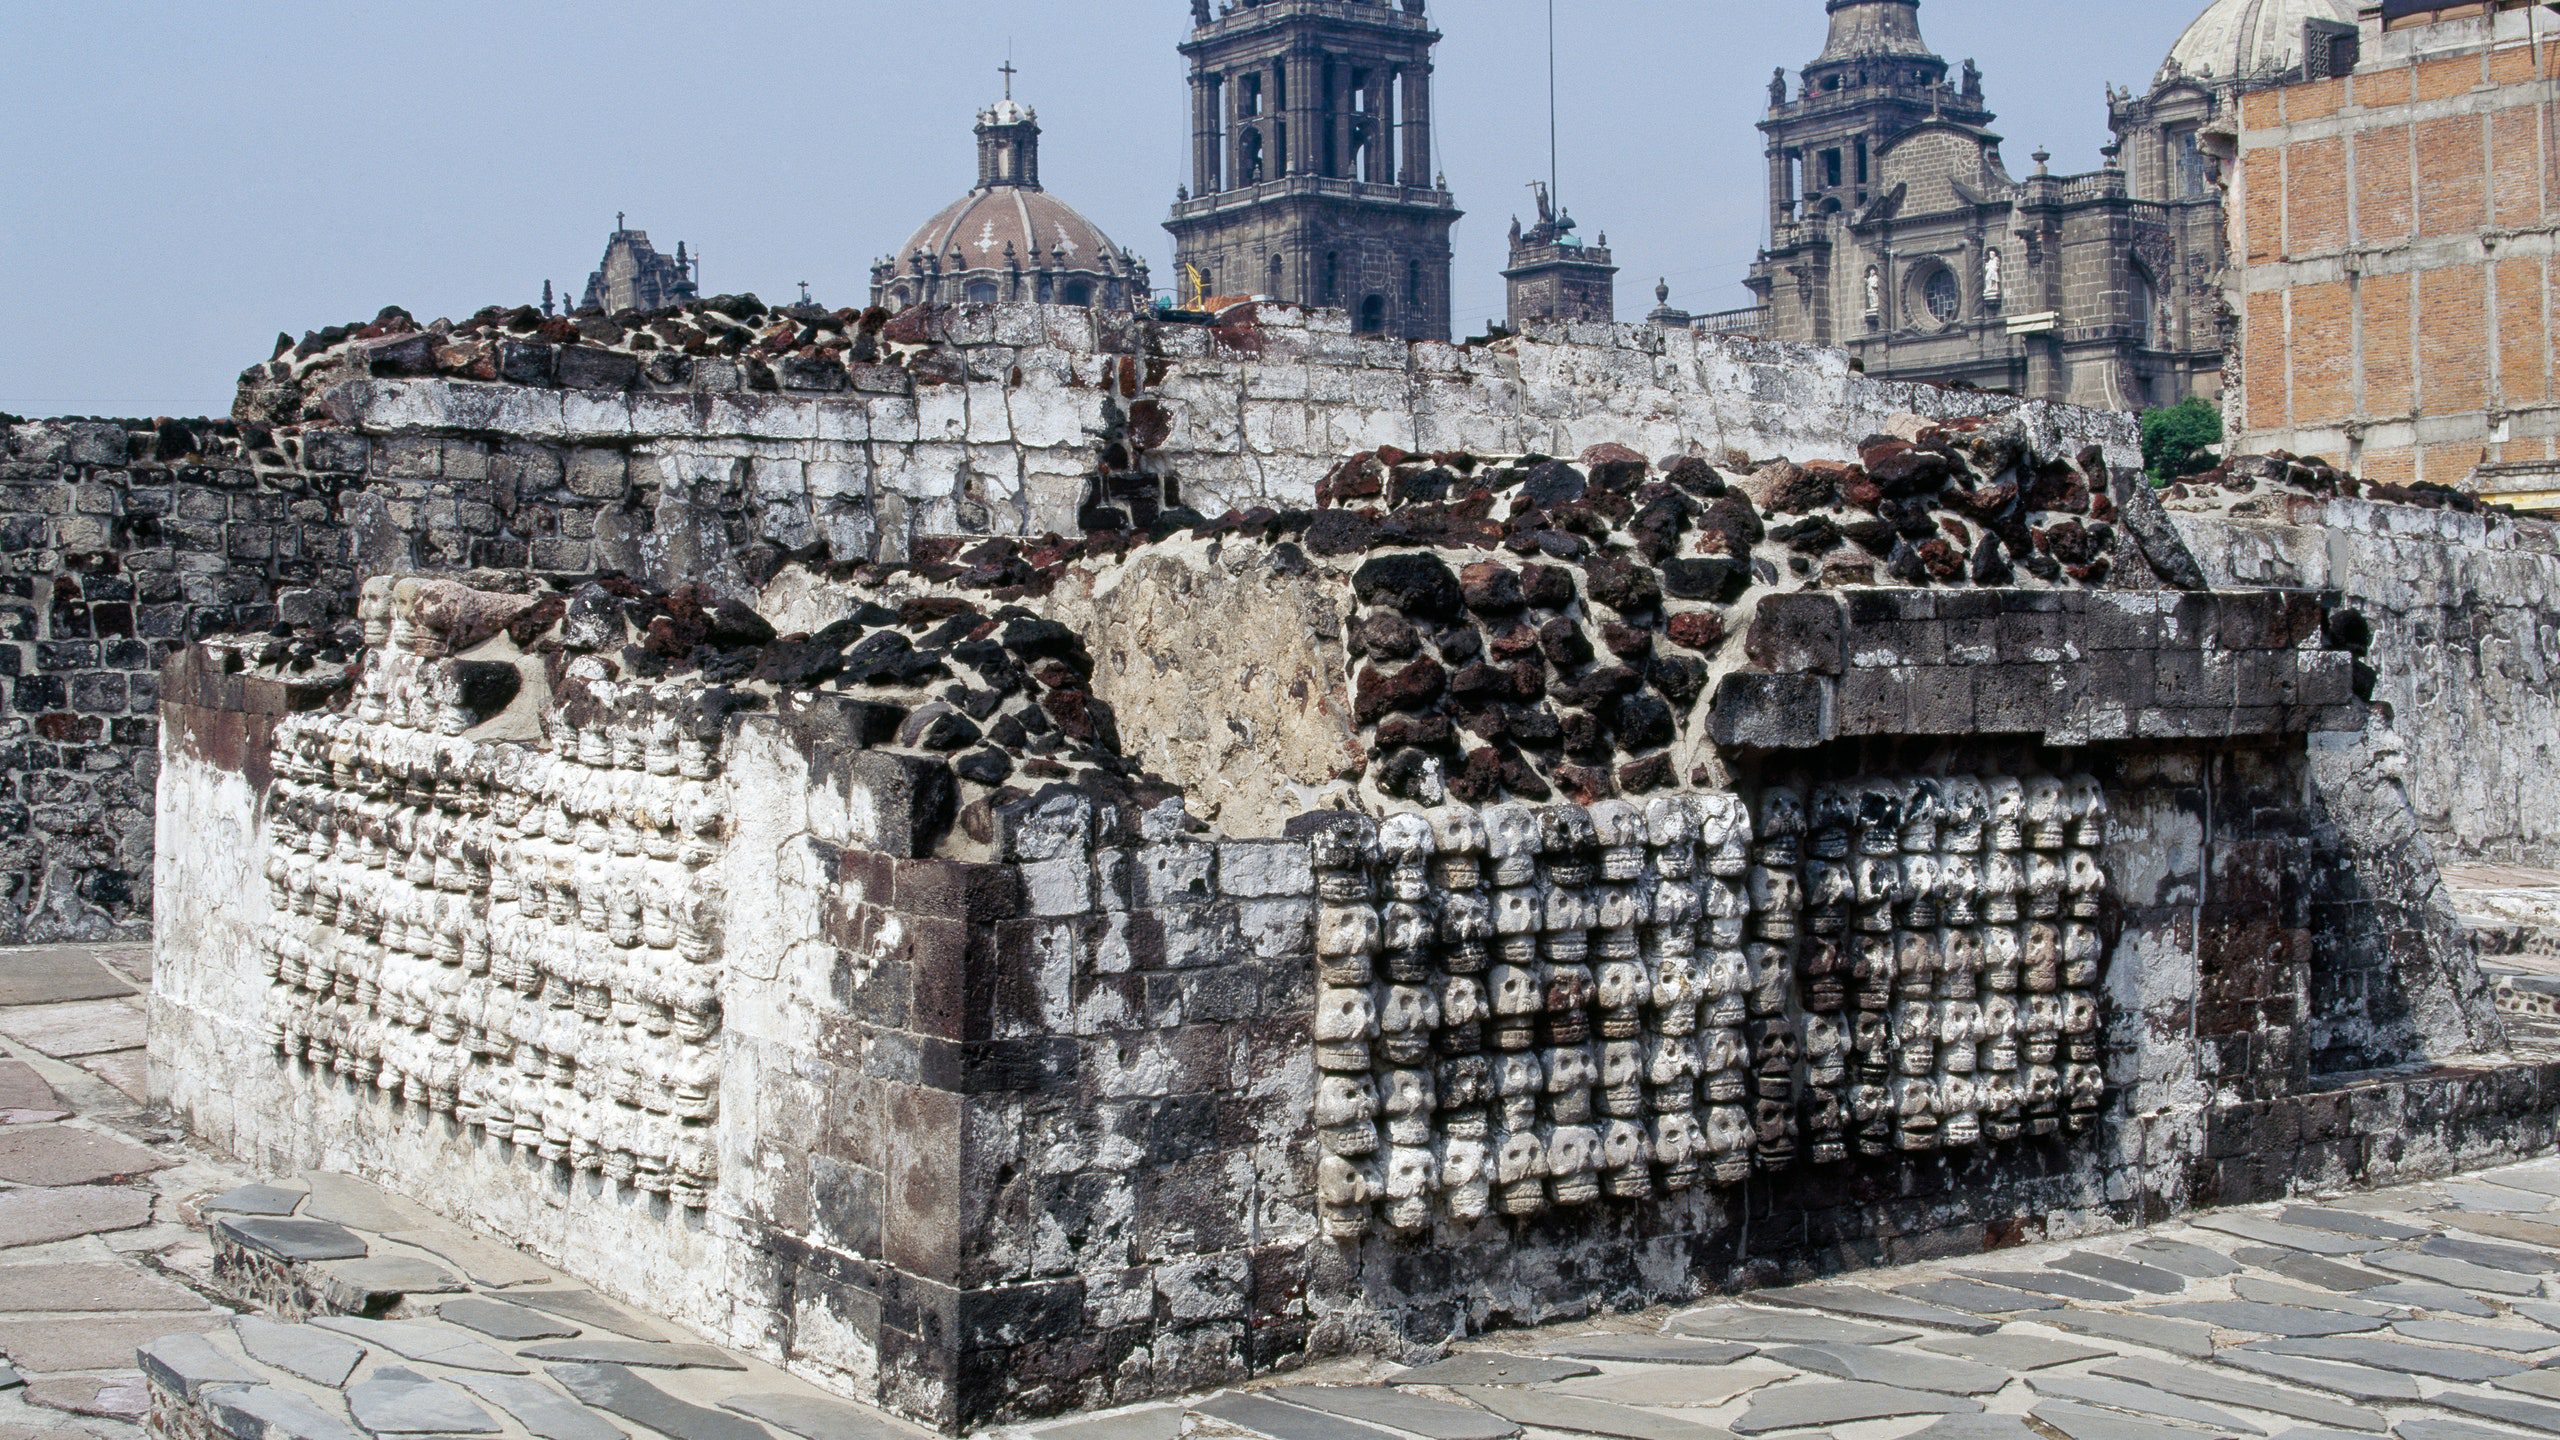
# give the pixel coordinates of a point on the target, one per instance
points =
(2108, 1393)
(53, 1346)
(2502, 1408)
(90, 1287)
(43, 1216)
(129, 1071)
(1815, 1404)
(1671, 1387)
(2127, 1273)
(54, 1155)
(2200, 1382)
(1572, 1415)
(1647, 1349)
(1395, 1409)
(67, 1032)
(1862, 1303)
(25, 1098)
(52, 974)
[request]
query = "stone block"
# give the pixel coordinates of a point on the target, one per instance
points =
(1874, 702)
(1773, 712)
(1798, 634)
(1942, 700)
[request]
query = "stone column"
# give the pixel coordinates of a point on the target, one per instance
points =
(1417, 125)
(1204, 134)
(1306, 112)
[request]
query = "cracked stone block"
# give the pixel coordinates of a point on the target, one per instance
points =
(55, 1155)
(41, 1216)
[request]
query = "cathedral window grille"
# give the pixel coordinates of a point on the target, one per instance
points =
(1943, 295)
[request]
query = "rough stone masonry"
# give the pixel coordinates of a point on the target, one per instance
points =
(711, 443)
(1014, 973)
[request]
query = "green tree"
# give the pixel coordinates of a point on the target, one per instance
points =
(2180, 439)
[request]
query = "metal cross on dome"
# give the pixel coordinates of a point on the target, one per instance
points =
(1008, 72)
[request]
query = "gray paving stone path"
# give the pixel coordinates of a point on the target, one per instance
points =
(2431, 1312)
(2396, 1315)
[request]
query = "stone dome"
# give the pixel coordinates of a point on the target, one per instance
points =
(1008, 239)
(2236, 39)
(994, 228)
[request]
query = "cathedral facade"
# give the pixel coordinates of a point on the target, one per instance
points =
(1311, 169)
(1898, 233)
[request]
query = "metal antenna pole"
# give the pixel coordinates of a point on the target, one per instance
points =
(1555, 186)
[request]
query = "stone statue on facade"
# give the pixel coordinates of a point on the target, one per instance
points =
(1991, 282)
(1778, 87)
(1875, 292)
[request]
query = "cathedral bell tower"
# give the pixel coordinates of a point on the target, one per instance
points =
(1312, 178)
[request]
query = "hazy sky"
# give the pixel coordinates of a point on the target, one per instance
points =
(180, 181)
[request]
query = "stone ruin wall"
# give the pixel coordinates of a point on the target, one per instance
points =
(1185, 1065)
(2465, 612)
(540, 451)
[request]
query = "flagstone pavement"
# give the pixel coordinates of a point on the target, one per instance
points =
(2426, 1312)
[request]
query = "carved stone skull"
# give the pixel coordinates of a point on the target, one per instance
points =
(1783, 820)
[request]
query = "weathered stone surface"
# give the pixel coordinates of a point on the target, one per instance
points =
(2178, 1337)
(2428, 1427)
(2128, 1274)
(50, 1346)
(2177, 1256)
(1281, 1421)
(1675, 1387)
(268, 1200)
(86, 1286)
(1899, 1309)
(2312, 1270)
(2142, 1400)
(86, 1027)
(590, 1309)
(502, 1321)
(2057, 1283)
(306, 1351)
(2402, 1356)
(46, 975)
(2249, 1315)
(2481, 1252)
(364, 1286)
(2461, 1274)
(358, 1204)
(1395, 1409)
(2292, 1237)
(1901, 1368)
(396, 1401)
(2508, 1339)
(58, 1155)
(107, 1397)
(618, 1391)
(2427, 1295)
(266, 1412)
(2269, 1292)
(2350, 1222)
(293, 1240)
(2504, 1409)
(2013, 1351)
(2086, 1422)
(1486, 1368)
(637, 1354)
(541, 1410)
(2356, 1382)
(1161, 1422)
(427, 1343)
(1776, 1327)
(1974, 1297)
(1546, 1410)
(1647, 1349)
(2205, 1383)
(25, 1098)
(1822, 1403)
(183, 1364)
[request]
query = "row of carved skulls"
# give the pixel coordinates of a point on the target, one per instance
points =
(529, 894)
(509, 781)
(651, 1139)
(1598, 922)
(643, 990)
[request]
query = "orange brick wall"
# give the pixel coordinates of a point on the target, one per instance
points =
(2387, 316)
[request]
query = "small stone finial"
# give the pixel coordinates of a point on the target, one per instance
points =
(2114, 154)
(2044, 161)
(547, 302)
(1662, 292)
(804, 292)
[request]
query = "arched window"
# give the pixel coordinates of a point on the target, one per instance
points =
(1078, 292)
(1279, 274)
(1250, 172)
(1333, 279)
(1373, 315)
(983, 292)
